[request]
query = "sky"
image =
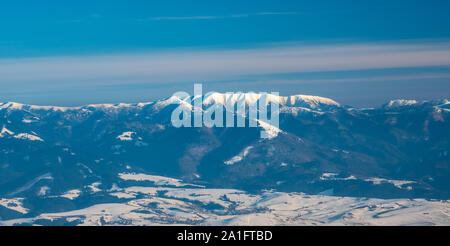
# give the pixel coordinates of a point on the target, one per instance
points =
(360, 53)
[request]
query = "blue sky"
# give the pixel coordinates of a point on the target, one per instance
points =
(358, 52)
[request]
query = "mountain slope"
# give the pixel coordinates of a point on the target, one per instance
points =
(399, 150)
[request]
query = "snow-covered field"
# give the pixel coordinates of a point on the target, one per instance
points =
(174, 202)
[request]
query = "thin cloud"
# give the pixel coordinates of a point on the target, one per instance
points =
(186, 18)
(424, 76)
(216, 65)
(210, 17)
(276, 13)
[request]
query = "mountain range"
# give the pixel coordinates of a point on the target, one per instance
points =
(57, 159)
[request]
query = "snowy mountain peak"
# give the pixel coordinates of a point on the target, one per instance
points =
(312, 102)
(105, 106)
(250, 99)
(400, 103)
(20, 106)
(315, 103)
(11, 105)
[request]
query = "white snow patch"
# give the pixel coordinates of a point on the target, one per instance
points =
(5, 132)
(94, 187)
(400, 103)
(239, 157)
(157, 180)
(334, 176)
(20, 106)
(27, 136)
(123, 195)
(71, 194)
(270, 131)
(32, 120)
(126, 136)
(252, 98)
(397, 183)
(43, 191)
(14, 204)
(180, 206)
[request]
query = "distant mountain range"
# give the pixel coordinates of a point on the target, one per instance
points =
(55, 159)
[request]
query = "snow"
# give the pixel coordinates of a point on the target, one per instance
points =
(297, 110)
(143, 104)
(374, 180)
(180, 206)
(123, 195)
(312, 101)
(5, 132)
(94, 187)
(204, 196)
(109, 107)
(30, 120)
(157, 180)
(171, 100)
(27, 136)
(400, 103)
(71, 194)
(43, 191)
(12, 105)
(130, 136)
(397, 183)
(20, 106)
(252, 98)
(305, 102)
(334, 176)
(53, 108)
(126, 136)
(239, 157)
(232, 99)
(14, 204)
(270, 131)
(172, 202)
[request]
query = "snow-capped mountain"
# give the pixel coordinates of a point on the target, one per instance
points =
(76, 160)
(306, 101)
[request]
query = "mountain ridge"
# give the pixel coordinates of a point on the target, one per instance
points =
(215, 97)
(397, 152)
